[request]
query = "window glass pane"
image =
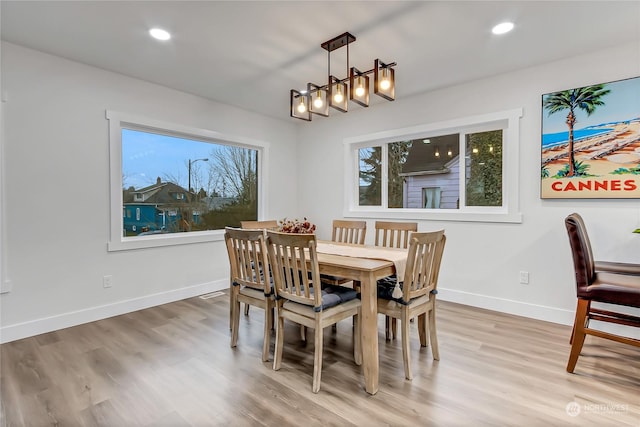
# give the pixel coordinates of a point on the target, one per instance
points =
(430, 173)
(398, 153)
(431, 197)
(370, 187)
(484, 169)
(183, 185)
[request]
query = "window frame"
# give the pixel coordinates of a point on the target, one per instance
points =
(118, 121)
(508, 121)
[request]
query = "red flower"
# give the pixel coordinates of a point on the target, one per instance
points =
(296, 226)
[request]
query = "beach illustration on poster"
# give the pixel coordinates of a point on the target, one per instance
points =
(591, 141)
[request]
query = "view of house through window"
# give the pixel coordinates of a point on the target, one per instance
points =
(174, 184)
(425, 172)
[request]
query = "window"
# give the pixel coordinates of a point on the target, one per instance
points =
(464, 169)
(178, 185)
(431, 197)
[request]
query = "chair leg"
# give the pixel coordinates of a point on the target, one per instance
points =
(277, 354)
(246, 309)
(357, 338)
(433, 337)
(405, 345)
(394, 328)
(273, 318)
(317, 358)
(235, 321)
(230, 307)
(268, 319)
(303, 333)
(423, 327)
(582, 311)
(387, 328)
(574, 327)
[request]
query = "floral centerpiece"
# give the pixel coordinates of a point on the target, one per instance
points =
(296, 226)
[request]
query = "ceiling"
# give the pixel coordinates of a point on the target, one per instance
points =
(250, 54)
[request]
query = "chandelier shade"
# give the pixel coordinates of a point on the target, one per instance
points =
(358, 87)
(318, 99)
(384, 80)
(299, 105)
(337, 92)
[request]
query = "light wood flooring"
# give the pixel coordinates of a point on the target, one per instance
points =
(172, 366)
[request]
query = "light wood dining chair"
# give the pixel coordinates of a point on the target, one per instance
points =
(419, 289)
(268, 224)
(301, 299)
(345, 231)
(392, 234)
(250, 278)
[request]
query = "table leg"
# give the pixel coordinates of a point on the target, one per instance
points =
(369, 324)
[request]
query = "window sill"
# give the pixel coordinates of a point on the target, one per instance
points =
(163, 240)
(430, 215)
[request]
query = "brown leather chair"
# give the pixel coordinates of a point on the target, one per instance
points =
(600, 282)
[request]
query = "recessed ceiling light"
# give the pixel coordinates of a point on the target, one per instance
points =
(502, 28)
(159, 34)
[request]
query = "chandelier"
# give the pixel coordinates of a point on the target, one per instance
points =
(317, 99)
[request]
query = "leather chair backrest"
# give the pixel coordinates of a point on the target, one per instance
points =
(583, 262)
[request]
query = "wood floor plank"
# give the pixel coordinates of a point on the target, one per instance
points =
(172, 366)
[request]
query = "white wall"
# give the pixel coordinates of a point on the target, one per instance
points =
(56, 187)
(482, 261)
(56, 184)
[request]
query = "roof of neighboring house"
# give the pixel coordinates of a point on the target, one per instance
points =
(422, 157)
(158, 193)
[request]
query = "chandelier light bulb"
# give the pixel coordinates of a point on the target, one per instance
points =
(301, 107)
(338, 97)
(360, 87)
(385, 83)
(318, 101)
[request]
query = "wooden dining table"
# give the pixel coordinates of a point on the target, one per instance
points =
(367, 271)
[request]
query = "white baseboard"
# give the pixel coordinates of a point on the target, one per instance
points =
(518, 308)
(74, 318)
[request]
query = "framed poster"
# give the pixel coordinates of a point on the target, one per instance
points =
(591, 142)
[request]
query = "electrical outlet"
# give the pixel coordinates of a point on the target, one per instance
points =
(524, 277)
(107, 281)
(5, 287)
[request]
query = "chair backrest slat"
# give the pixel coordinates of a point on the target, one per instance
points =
(394, 234)
(345, 231)
(423, 263)
(295, 266)
(248, 259)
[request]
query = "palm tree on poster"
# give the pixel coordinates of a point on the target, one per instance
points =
(586, 98)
